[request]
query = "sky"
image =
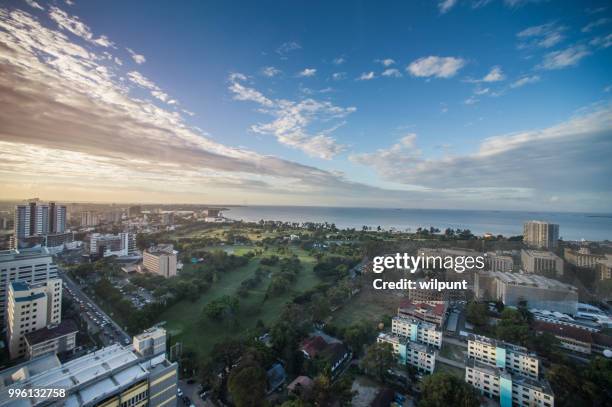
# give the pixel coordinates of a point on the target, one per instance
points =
(458, 104)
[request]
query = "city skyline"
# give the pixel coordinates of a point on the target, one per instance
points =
(401, 106)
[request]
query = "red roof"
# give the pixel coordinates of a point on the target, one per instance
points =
(564, 331)
(313, 345)
(437, 309)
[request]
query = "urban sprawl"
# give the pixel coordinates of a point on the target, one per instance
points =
(166, 305)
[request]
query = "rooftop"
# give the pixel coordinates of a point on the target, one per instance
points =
(23, 254)
(423, 308)
(66, 327)
(500, 344)
(541, 254)
(528, 280)
(540, 385)
(564, 331)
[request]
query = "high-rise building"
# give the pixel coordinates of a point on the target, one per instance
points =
(89, 218)
(36, 218)
(27, 265)
(115, 376)
(160, 260)
(122, 244)
(541, 234)
(30, 307)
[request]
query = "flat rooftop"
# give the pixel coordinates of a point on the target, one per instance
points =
(23, 254)
(47, 333)
(540, 385)
(500, 344)
(542, 254)
(529, 280)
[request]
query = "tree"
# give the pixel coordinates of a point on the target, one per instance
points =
(513, 327)
(326, 392)
(379, 358)
(477, 314)
(247, 385)
(444, 389)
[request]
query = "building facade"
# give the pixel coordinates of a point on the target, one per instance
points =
(541, 234)
(31, 307)
(27, 265)
(122, 244)
(36, 218)
(53, 339)
(541, 262)
(435, 314)
(418, 331)
(500, 262)
(161, 259)
(513, 358)
(418, 355)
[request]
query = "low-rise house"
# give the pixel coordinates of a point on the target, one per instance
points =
(301, 386)
(276, 377)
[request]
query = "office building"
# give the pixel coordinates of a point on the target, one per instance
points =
(89, 218)
(57, 339)
(541, 234)
(539, 292)
(513, 358)
(499, 262)
(420, 356)
(36, 218)
(112, 376)
(122, 244)
(151, 342)
(160, 259)
(509, 389)
(31, 307)
(418, 331)
(604, 268)
(30, 266)
(435, 314)
(541, 262)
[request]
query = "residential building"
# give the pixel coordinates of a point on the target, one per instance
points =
(604, 268)
(513, 358)
(36, 218)
(27, 265)
(509, 389)
(582, 257)
(499, 262)
(151, 342)
(31, 307)
(539, 292)
(435, 314)
(421, 356)
(541, 262)
(541, 234)
(418, 331)
(89, 218)
(570, 338)
(53, 339)
(160, 259)
(122, 244)
(112, 376)
(331, 350)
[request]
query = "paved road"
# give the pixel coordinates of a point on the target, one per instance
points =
(119, 335)
(450, 362)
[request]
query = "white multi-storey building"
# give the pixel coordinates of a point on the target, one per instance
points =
(122, 244)
(504, 355)
(27, 265)
(36, 218)
(418, 331)
(499, 262)
(31, 307)
(421, 356)
(539, 262)
(509, 389)
(160, 260)
(541, 234)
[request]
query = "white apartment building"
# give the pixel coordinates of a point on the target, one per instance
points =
(27, 265)
(151, 342)
(31, 307)
(160, 260)
(38, 218)
(541, 234)
(122, 244)
(89, 218)
(513, 358)
(540, 262)
(499, 262)
(415, 354)
(509, 389)
(418, 331)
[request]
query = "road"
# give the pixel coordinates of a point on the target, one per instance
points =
(453, 341)
(114, 335)
(450, 362)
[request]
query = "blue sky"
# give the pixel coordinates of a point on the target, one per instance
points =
(454, 104)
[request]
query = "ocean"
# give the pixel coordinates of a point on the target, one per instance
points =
(572, 226)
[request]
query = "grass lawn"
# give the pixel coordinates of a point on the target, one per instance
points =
(455, 371)
(186, 324)
(454, 352)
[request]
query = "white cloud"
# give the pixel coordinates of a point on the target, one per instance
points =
(439, 67)
(307, 72)
(339, 61)
(294, 121)
(337, 76)
(601, 42)
(542, 36)
(366, 76)
(287, 47)
(565, 58)
(481, 91)
(471, 101)
(34, 4)
(270, 71)
(118, 61)
(445, 5)
(69, 2)
(404, 152)
(138, 58)
(392, 72)
(77, 27)
(594, 24)
(525, 80)
(494, 75)
(385, 62)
